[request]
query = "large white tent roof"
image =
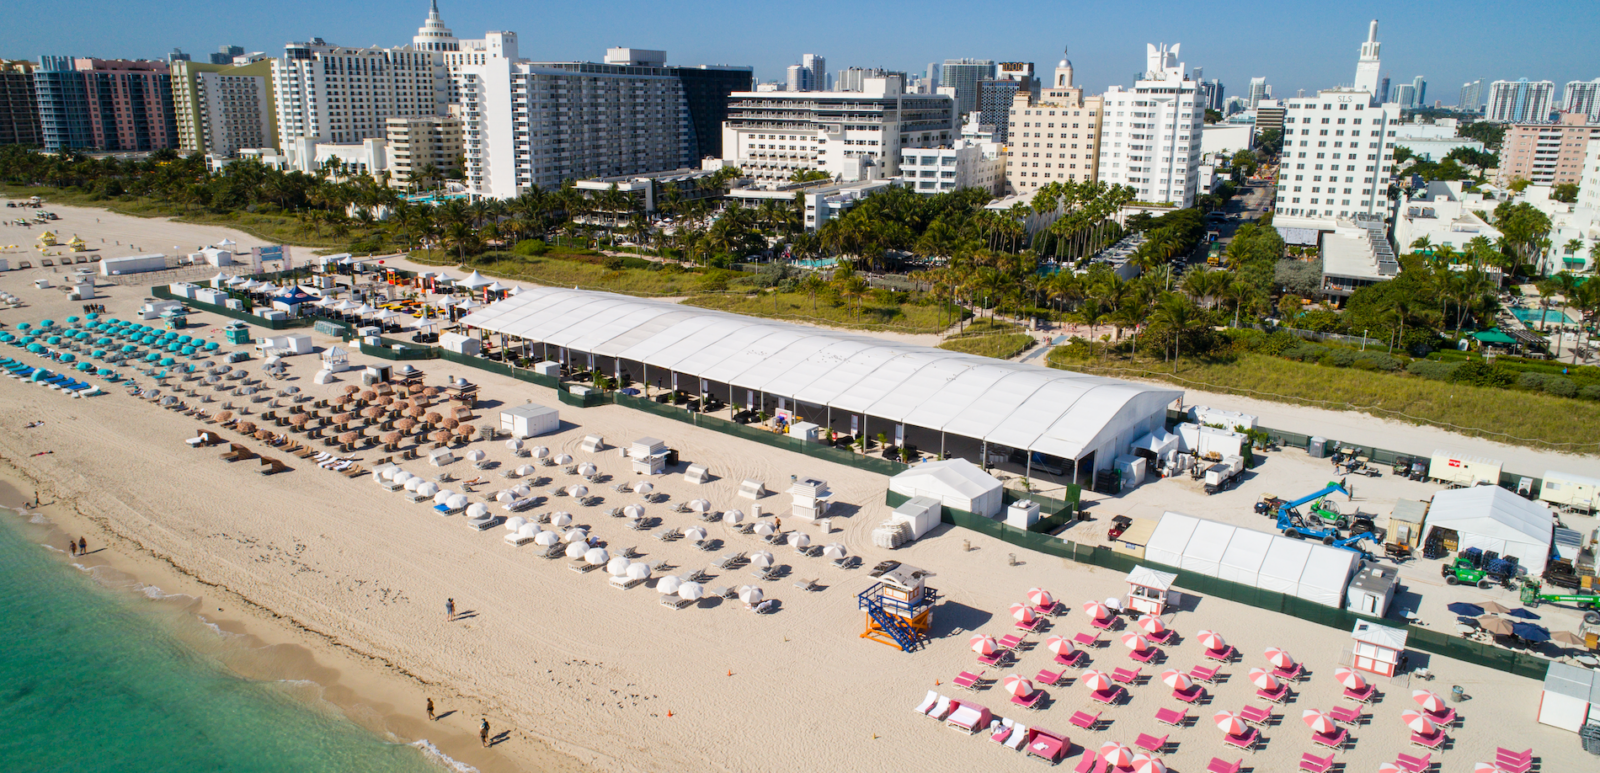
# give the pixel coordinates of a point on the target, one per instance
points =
(957, 483)
(1492, 518)
(1293, 567)
(1056, 412)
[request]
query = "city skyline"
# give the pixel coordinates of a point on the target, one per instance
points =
(1294, 48)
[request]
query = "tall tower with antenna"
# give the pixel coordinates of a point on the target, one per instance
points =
(1367, 68)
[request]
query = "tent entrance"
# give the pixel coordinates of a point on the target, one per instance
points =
(1443, 540)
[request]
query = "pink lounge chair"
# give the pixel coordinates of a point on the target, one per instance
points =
(1087, 764)
(1291, 674)
(1334, 740)
(1163, 637)
(1192, 695)
(1203, 674)
(1144, 655)
(1048, 746)
(1047, 677)
(1108, 697)
(1030, 627)
(1003, 734)
(1104, 623)
(1414, 764)
(1073, 662)
(1031, 702)
(1010, 641)
(1151, 743)
(1246, 742)
(996, 659)
(1086, 640)
(1311, 763)
(1084, 719)
(1363, 695)
(1444, 718)
(1276, 696)
(1172, 717)
(1502, 753)
(1125, 676)
(1224, 655)
(1431, 741)
(1513, 764)
(1054, 608)
(1223, 766)
(1255, 716)
(967, 680)
(1348, 716)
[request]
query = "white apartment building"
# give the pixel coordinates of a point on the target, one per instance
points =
(419, 145)
(1582, 97)
(537, 124)
(1520, 101)
(1589, 184)
(329, 93)
(1054, 138)
(848, 135)
(434, 37)
(1338, 153)
(1150, 137)
(974, 161)
(221, 108)
(1444, 213)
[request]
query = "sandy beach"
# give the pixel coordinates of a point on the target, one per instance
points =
(349, 581)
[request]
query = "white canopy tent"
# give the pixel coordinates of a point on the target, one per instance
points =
(1294, 567)
(956, 483)
(1492, 518)
(944, 395)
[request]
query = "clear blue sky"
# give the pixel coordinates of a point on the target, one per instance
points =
(1295, 44)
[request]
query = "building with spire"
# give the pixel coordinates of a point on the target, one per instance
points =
(434, 37)
(1054, 134)
(1368, 66)
(1150, 138)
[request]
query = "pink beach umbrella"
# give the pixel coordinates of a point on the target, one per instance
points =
(1486, 767)
(1116, 755)
(1211, 640)
(1017, 686)
(1263, 679)
(1317, 721)
(1023, 613)
(1135, 642)
(1176, 679)
(1040, 597)
(1152, 625)
(983, 644)
(1349, 678)
(1278, 658)
(1428, 700)
(1229, 722)
(1144, 763)
(1417, 721)
(1390, 767)
(1059, 645)
(1096, 610)
(1095, 680)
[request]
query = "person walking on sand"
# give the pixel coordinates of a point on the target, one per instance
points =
(72, 547)
(483, 732)
(431, 718)
(83, 546)
(450, 610)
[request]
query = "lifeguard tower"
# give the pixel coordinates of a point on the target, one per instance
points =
(1149, 590)
(899, 607)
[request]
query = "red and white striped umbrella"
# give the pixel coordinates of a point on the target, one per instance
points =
(1060, 645)
(1040, 597)
(1279, 658)
(1229, 722)
(1211, 640)
(1116, 755)
(1390, 767)
(1135, 642)
(1022, 613)
(1144, 763)
(1152, 625)
(1096, 610)
(1486, 767)
(1418, 722)
(1263, 679)
(1176, 679)
(1095, 680)
(1317, 721)
(983, 644)
(1428, 700)
(1016, 685)
(1349, 678)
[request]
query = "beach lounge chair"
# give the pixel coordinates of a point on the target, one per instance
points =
(1292, 674)
(355, 471)
(725, 592)
(1011, 641)
(1345, 714)
(1224, 655)
(676, 602)
(1363, 695)
(1125, 676)
(1002, 732)
(1084, 719)
(1172, 717)
(1414, 764)
(639, 524)
(941, 709)
(1031, 626)
(271, 466)
(1165, 637)
(1429, 741)
(1050, 610)
(705, 545)
(1019, 736)
(1513, 762)
(1445, 718)
(1279, 695)
(1223, 766)
(967, 680)
(667, 535)
(995, 658)
(555, 551)
(1107, 623)
(1108, 697)
(1048, 677)
(1145, 655)
(582, 567)
(768, 574)
(1089, 762)
(698, 575)
(1246, 742)
(1255, 715)
(806, 585)
(1311, 763)
(1086, 639)
(968, 717)
(927, 703)
(729, 561)
(1333, 740)
(1048, 746)
(1075, 660)
(1032, 702)
(1194, 694)
(1151, 743)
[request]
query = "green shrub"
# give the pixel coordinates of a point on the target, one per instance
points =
(531, 248)
(1438, 371)
(1279, 342)
(1559, 386)
(1530, 381)
(1337, 357)
(1377, 361)
(1590, 392)
(1479, 373)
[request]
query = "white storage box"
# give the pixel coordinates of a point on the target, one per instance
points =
(530, 420)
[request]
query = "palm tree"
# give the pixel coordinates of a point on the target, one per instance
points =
(1421, 244)
(1178, 316)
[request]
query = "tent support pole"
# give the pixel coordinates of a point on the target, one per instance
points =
(941, 444)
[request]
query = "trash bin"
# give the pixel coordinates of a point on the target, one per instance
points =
(1456, 693)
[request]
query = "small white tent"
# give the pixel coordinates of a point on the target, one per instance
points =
(957, 484)
(1294, 567)
(1171, 536)
(1242, 562)
(1491, 518)
(1327, 574)
(1206, 546)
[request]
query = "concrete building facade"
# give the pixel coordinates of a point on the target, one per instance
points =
(963, 76)
(105, 104)
(1520, 101)
(1471, 99)
(976, 160)
(1150, 139)
(19, 105)
(1338, 156)
(1582, 97)
(1369, 65)
(996, 95)
(1546, 153)
(1055, 137)
(221, 108)
(417, 144)
(329, 93)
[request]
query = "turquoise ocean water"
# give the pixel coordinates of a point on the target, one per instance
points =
(89, 683)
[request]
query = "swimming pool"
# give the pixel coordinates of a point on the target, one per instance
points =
(1551, 316)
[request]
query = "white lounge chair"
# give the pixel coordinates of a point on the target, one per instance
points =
(1019, 736)
(941, 709)
(927, 703)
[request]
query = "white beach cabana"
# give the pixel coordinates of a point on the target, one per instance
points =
(956, 483)
(1492, 518)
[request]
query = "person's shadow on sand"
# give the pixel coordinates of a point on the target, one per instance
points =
(505, 735)
(466, 614)
(439, 717)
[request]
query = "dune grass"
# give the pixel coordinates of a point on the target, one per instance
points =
(1002, 346)
(875, 314)
(1519, 418)
(572, 269)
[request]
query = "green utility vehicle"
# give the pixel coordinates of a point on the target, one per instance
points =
(1462, 572)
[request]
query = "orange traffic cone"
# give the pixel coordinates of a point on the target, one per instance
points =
(669, 712)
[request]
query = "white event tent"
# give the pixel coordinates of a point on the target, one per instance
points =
(1293, 567)
(956, 483)
(1492, 518)
(1034, 419)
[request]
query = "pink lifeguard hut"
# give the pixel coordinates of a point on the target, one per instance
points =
(1378, 648)
(1149, 590)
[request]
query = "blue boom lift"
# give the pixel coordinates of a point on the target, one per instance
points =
(1292, 524)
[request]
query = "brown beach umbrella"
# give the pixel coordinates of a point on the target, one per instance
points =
(1498, 626)
(299, 420)
(441, 436)
(406, 425)
(449, 423)
(224, 416)
(247, 428)
(342, 400)
(351, 389)
(1491, 608)
(1568, 638)
(372, 412)
(414, 388)
(414, 412)
(431, 391)
(341, 418)
(391, 437)
(385, 400)
(262, 434)
(368, 396)
(349, 438)
(434, 418)
(464, 432)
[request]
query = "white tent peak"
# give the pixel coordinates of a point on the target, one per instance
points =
(476, 281)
